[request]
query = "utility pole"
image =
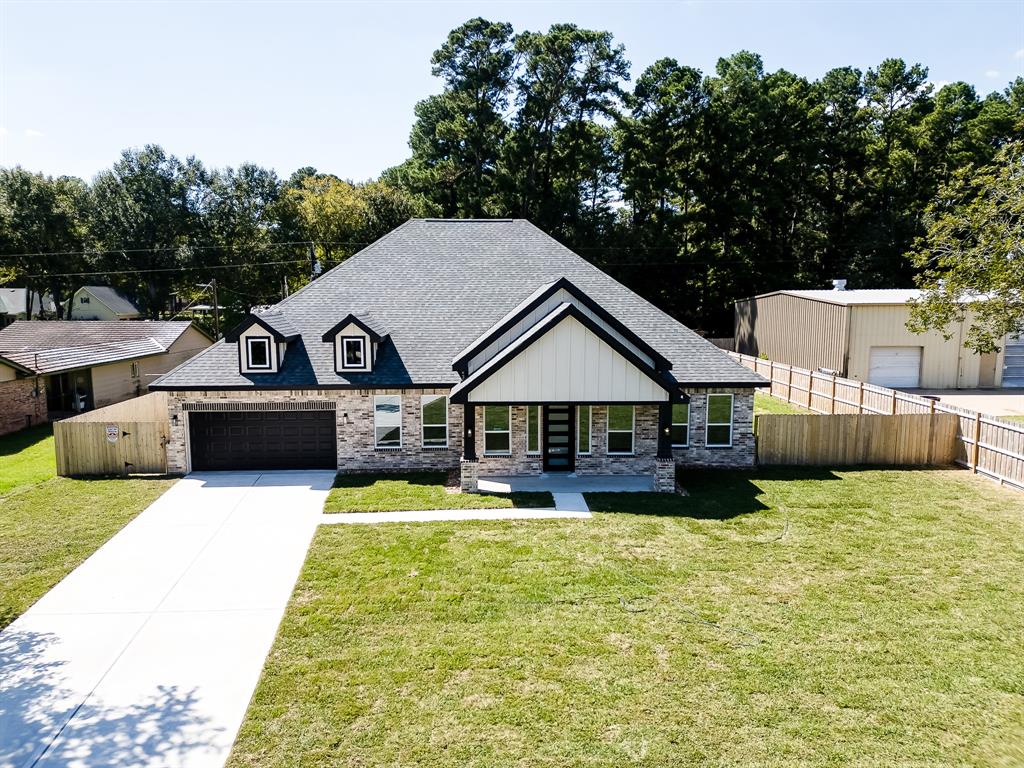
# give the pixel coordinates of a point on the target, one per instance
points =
(216, 310)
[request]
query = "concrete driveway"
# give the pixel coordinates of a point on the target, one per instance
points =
(994, 402)
(148, 653)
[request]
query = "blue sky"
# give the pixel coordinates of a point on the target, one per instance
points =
(333, 84)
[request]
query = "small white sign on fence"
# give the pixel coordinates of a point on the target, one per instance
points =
(113, 431)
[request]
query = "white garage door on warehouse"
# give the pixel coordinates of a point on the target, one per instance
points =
(896, 367)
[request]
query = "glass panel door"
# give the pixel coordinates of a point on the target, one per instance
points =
(559, 455)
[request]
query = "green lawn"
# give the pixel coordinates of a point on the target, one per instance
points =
(417, 491)
(1018, 419)
(26, 458)
(765, 403)
(48, 524)
(771, 618)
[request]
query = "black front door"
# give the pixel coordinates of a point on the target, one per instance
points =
(559, 453)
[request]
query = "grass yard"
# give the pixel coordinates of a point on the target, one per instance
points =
(771, 618)
(1017, 419)
(765, 403)
(417, 491)
(27, 458)
(48, 524)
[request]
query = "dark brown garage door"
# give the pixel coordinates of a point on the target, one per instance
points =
(262, 440)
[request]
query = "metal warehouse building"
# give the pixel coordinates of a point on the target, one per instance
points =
(863, 335)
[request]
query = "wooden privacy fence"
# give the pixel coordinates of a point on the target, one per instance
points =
(920, 439)
(984, 444)
(122, 439)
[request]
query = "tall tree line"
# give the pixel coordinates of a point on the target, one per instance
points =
(160, 228)
(697, 189)
(693, 188)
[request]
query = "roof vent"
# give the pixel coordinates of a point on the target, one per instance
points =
(838, 285)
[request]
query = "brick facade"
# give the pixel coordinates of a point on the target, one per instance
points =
(354, 419)
(355, 432)
(741, 454)
(20, 406)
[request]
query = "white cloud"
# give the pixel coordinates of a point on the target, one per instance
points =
(937, 85)
(992, 73)
(3, 130)
(32, 133)
(1019, 53)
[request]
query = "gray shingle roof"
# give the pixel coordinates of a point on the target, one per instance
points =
(115, 301)
(435, 286)
(51, 346)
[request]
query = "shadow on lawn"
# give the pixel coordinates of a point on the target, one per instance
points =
(713, 494)
(36, 704)
(368, 479)
(23, 439)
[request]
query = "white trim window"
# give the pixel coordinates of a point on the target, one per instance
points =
(353, 352)
(533, 429)
(583, 424)
(434, 416)
(718, 429)
(387, 421)
(257, 352)
(680, 425)
(497, 430)
(621, 423)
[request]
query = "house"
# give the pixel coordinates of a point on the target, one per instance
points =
(101, 302)
(50, 368)
(480, 344)
(863, 335)
(14, 305)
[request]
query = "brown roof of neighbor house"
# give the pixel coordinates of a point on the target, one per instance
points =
(52, 346)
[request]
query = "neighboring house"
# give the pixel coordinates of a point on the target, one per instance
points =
(100, 302)
(484, 341)
(50, 368)
(14, 305)
(863, 335)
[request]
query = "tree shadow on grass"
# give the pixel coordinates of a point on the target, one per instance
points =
(36, 705)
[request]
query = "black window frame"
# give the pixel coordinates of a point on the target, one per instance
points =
(249, 364)
(362, 353)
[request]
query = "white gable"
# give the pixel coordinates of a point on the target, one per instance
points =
(559, 297)
(569, 363)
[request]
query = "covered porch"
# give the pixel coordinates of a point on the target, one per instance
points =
(561, 393)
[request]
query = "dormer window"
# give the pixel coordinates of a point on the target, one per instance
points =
(258, 350)
(353, 352)
(356, 340)
(263, 342)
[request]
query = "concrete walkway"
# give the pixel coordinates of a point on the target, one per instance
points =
(567, 483)
(148, 653)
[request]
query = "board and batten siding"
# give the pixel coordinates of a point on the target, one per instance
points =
(568, 364)
(553, 302)
(944, 364)
(789, 329)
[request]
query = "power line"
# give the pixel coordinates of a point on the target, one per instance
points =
(167, 269)
(185, 247)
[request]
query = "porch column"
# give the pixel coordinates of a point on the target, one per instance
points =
(469, 467)
(469, 432)
(665, 431)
